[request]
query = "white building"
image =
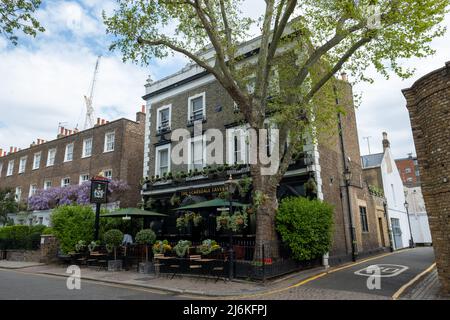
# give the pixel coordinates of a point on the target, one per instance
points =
(418, 216)
(381, 171)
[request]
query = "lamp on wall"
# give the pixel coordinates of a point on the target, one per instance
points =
(411, 240)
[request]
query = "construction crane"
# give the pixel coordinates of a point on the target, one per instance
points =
(89, 122)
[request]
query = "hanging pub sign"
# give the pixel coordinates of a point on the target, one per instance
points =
(99, 189)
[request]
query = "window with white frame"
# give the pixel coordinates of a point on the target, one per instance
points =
(407, 170)
(22, 164)
(163, 118)
(47, 184)
(18, 193)
(237, 145)
(107, 173)
(109, 141)
(51, 157)
(65, 182)
(197, 107)
(87, 148)
(10, 170)
(37, 160)
(68, 156)
(197, 153)
(162, 164)
(33, 189)
(84, 178)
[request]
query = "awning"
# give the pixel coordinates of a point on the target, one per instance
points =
(212, 203)
(133, 212)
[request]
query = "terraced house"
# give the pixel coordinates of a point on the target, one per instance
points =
(112, 148)
(191, 97)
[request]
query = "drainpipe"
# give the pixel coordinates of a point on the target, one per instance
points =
(386, 214)
(347, 173)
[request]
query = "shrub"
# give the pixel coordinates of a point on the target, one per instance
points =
(305, 226)
(71, 224)
(182, 247)
(146, 236)
(113, 238)
(48, 230)
(20, 237)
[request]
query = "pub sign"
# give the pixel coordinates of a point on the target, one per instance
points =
(99, 190)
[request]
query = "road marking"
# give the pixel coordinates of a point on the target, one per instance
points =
(320, 275)
(411, 282)
(98, 282)
(386, 270)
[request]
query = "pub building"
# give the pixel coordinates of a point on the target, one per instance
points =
(192, 96)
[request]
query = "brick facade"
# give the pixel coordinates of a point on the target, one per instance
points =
(125, 160)
(409, 171)
(334, 190)
(220, 115)
(428, 103)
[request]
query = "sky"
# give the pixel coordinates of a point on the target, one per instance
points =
(43, 80)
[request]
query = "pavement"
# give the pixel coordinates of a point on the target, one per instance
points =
(399, 271)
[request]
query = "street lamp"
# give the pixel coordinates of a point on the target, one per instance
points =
(411, 241)
(348, 178)
(231, 186)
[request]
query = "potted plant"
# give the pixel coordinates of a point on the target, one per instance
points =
(238, 221)
(223, 221)
(80, 246)
(92, 246)
(146, 237)
(208, 247)
(181, 223)
(161, 247)
(197, 219)
(113, 238)
(182, 247)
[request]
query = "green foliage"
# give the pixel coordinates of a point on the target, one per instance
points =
(71, 224)
(182, 247)
(8, 204)
(208, 246)
(92, 245)
(376, 191)
(223, 221)
(146, 236)
(305, 226)
(238, 221)
(48, 230)
(161, 246)
(20, 237)
(80, 246)
(113, 237)
(18, 15)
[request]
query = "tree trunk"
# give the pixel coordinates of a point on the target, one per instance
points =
(266, 245)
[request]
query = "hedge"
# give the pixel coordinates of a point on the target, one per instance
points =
(20, 237)
(305, 226)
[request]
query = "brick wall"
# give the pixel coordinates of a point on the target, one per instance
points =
(125, 161)
(428, 103)
(332, 167)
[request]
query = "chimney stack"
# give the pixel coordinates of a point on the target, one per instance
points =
(143, 108)
(15, 149)
(386, 143)
(11, 149)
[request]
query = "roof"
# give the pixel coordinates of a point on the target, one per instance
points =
(372, 160)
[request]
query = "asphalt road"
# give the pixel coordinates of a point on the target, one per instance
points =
(20, 286)
(397, 270)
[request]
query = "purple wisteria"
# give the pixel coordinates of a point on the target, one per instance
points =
(73, 194)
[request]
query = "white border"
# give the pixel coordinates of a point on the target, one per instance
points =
(157, 149)
(158, 119)
(195, 97)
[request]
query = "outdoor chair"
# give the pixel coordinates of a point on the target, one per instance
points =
(174, 267)
(193, 264)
